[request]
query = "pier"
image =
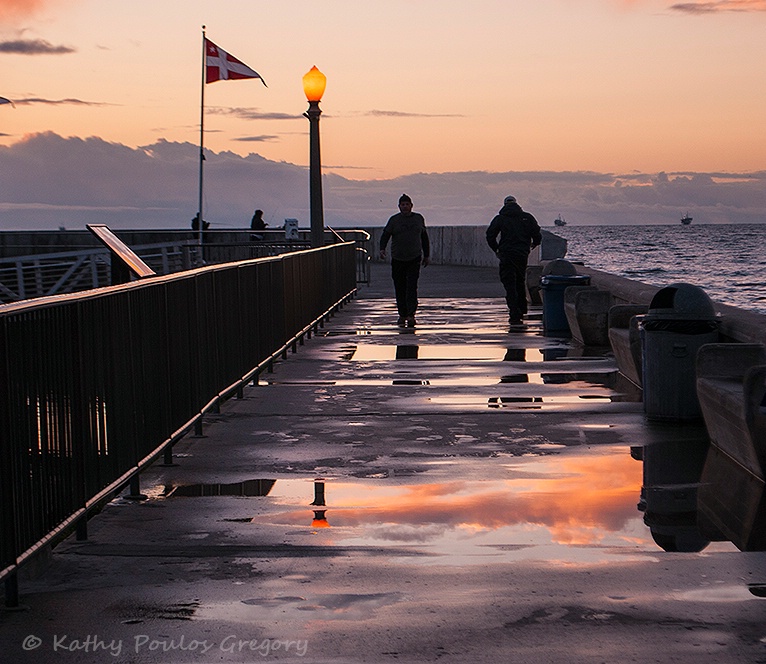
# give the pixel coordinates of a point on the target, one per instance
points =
(452, 492)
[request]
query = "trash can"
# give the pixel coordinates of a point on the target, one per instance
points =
(680, 319)
(557, 276)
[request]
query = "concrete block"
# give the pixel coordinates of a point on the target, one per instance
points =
(731, 502)
(587, 312)
(625, 339)
(731, 388)
(553, 246)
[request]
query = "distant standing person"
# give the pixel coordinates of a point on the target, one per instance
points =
(257, 223)
(410, 249)
(519, 233)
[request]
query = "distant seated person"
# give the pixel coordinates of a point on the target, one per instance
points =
(195, 223)
(257, 223)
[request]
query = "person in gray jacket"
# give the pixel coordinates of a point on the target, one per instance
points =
(519, 233)
(410, 248)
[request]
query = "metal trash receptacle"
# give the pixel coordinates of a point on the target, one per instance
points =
(681, 319)
(557, 276)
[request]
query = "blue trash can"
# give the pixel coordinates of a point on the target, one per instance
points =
(555, 322)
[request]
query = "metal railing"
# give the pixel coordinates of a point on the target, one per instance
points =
(45, 274)
(41, 275)
(98, 384)
(225, 246)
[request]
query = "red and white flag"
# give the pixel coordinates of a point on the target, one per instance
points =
(220, 66)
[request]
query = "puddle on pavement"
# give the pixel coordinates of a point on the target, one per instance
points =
(388, 352)
(443, 327)
(569, 504)
(572, 379)
(248, 488)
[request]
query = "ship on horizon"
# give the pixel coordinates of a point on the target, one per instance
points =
(559, 221)
(686, 219)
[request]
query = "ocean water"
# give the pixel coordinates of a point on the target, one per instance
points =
(728, 260)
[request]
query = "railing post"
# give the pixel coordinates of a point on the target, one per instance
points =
(167, 456)
(135, 489)
(12, 591)
(82, 529)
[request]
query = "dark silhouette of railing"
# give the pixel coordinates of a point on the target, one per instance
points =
(99, 384)
(53, 273)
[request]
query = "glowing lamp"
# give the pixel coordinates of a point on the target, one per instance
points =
(314, 83)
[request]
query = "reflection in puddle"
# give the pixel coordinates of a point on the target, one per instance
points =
(560, 505)
(568, 504)
(520, 401)
(248, 488)
(717, 594)
(384, 353)
(574, 379)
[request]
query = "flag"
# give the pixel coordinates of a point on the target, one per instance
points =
(221, 66)
(3, 100)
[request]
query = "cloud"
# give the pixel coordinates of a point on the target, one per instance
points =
(30, 101)
(405, 114)
(263, 138)
(24, 8)
(33, 47)
(718, 6)
(251, 114)
(156, 186)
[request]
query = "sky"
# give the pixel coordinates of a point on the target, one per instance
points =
(568, 100)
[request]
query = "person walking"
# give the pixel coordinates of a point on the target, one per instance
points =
(410, 248)
(519, 233)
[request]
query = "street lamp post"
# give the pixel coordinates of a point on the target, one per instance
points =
(313, 85)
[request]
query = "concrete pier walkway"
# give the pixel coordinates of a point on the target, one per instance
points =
(452, 493)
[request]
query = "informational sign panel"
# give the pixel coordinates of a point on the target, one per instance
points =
(122, 251)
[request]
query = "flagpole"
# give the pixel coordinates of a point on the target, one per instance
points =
(201, 138)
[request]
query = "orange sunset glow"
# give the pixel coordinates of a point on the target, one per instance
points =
(492, 85)
(618, 95)
(577, 501)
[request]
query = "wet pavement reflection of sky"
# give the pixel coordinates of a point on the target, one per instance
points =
(573, 506)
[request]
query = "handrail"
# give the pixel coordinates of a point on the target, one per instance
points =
(38, 275)
(98, 384)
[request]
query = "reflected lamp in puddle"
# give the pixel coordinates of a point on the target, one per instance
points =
(320, 516)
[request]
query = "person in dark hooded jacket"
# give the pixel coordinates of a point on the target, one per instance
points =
(519, 233)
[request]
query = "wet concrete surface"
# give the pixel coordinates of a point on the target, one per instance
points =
(454, 492)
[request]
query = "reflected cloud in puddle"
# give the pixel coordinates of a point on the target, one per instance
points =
(565, 506)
